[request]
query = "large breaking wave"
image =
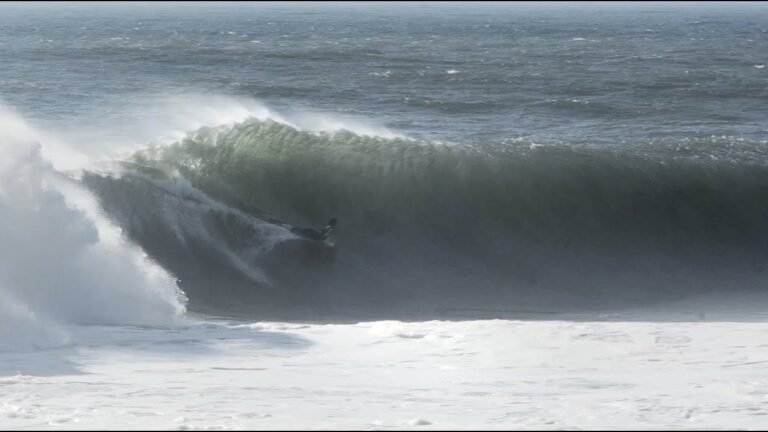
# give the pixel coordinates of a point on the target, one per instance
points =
(429, 227)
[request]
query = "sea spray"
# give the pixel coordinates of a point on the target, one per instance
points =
(61, 263)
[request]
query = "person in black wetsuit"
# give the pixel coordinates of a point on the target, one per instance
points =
(313, 234)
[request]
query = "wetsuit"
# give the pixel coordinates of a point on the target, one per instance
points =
(314, 234)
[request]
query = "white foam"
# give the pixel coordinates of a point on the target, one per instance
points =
(22, 330)
(60, 261)
(529, 375)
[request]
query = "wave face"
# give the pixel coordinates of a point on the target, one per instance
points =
(428, 227)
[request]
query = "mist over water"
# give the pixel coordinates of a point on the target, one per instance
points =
(62, 262)
(505, 159)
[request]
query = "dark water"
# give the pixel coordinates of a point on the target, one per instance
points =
(601, 74)
(559, 156)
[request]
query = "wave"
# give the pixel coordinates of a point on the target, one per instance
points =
(428, 226)
(61, 261)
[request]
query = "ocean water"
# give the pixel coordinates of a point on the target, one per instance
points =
(508, 157)
(618, 75)
(551, 216)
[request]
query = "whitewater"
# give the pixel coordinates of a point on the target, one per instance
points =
(550, 216)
